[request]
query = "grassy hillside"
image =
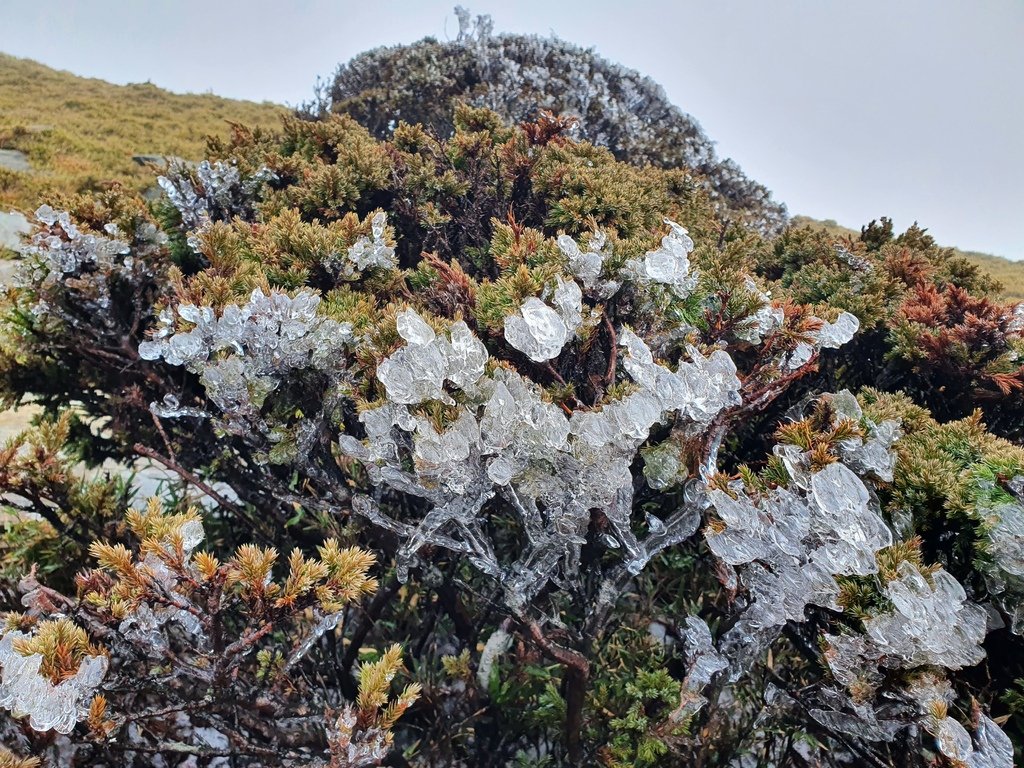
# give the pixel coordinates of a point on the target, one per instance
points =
(79, 132)
(1009, 273)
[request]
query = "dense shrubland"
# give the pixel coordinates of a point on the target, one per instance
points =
(495, 449)
(518, 77)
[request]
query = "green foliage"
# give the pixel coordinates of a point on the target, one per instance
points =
(1006, 273)
(634, 698)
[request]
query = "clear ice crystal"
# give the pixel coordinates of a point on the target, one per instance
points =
(354, 747)
(992, 748)
(932, 626)
(698, 390)
(192, 535)
(144, 624)
(242, 354)
(507, 441)
(829, 336)
(24, 691)
(536, 330)
(587, 263)
(835, 335)
(669, 264)
(585, 266)
(931, 623)
(1005, 534)
(765, 321)
(873, 455)
(61, 255)
(171, 408)
(840, 714)
(703, 662)
(790, 544)
(662, 465)
(953, 740)
(221, 194)
(413, 329)
(367, 253)
(568, 302)
(417, 372)
(1016, 324)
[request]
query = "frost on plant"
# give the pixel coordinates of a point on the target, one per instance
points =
(63, 255)
(668, 265)
(212, 192)
(829, 336)
(791, 544)
(243, 351)
(26, 690)
(552, 421)
(931, 624)
(508, 443)
(419, 370)
(1003, 524)
(990, 747)
(369, 252)
(517, 76)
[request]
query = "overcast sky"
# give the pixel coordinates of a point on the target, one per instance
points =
(846, 110)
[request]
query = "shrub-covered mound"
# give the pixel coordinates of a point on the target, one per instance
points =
(495, 450)
(518, 76)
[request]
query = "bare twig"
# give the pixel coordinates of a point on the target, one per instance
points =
(613, 355)
(188, 477)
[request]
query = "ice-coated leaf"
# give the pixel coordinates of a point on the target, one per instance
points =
(834, 335)
(932, 623)
(418, 371)
(24, 691)
(669, 264)
(767, 319)
(790, 544)
(586, 266)
(537, 330)
(568, 302)
(368, 253)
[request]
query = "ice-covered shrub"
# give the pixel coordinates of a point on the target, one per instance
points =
(576, 422)
(518, 77)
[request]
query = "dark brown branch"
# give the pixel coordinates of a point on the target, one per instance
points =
(577, 674)
(188, 477)
(613, 354)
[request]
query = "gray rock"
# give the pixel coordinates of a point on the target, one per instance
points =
(160, 161)
(12, 226)
(14, 160)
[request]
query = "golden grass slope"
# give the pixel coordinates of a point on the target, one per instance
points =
(79, 132)
(1009, 273)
